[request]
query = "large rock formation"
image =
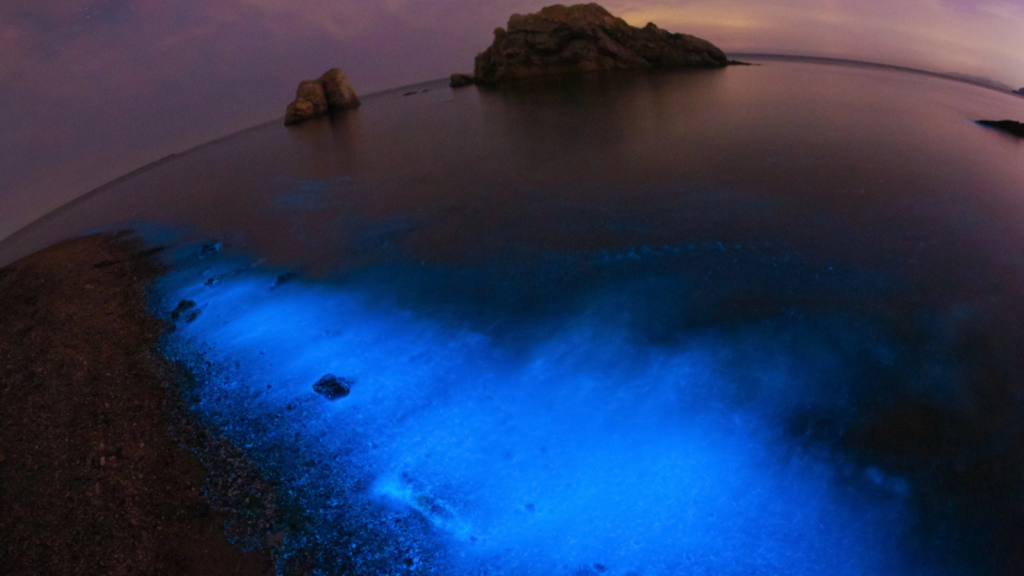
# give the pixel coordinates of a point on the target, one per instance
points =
(586, 37)
(313, 98)
(1008, 126)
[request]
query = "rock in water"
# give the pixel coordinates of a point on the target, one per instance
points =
(460, 80)
(1008, 126)
(313, 98)
(298, 111)
(313, 92)
(339, 91)
(583, 38)
(332, 387)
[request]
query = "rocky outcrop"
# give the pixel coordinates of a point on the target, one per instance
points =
(1008, 126)
(313, 98)
(586, 37)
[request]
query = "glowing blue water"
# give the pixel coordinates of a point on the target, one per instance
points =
(572, 447)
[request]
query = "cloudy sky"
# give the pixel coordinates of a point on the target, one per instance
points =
(91, 89)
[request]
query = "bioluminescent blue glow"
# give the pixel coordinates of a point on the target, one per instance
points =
(573, 448)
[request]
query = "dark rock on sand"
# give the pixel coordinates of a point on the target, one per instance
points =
(1008, 126)
(584, 38)
(460, 80)
(313, 98)
(333, 387)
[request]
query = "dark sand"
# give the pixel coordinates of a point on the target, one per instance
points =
(93, 475)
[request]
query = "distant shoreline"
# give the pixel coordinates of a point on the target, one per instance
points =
(869, 64)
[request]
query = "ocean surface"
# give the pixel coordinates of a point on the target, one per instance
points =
(759, 320)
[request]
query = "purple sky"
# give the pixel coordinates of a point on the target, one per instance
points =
(91, 89)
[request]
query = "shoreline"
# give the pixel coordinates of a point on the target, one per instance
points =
(102, 468)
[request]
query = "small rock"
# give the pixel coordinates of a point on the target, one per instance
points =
(209, 250)
(283, 279)
(1008, 126)
(461, 80)
(332, 387)
(183, 306)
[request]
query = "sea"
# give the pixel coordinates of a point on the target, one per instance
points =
(759, 320)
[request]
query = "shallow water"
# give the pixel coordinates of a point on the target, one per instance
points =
(757, 320)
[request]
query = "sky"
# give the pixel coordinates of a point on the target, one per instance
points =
(92, 89)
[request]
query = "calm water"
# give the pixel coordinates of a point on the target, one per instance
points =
(760, 320)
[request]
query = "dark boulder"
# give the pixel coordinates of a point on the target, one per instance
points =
(1008, 126)
(460, 80)
(584, 38)
(332, 387)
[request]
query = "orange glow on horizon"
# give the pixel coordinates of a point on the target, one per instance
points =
(984, 39)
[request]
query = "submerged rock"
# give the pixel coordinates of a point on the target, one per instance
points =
(283, 279)
(460, 80)
(582, 38)
(331, 91)
(1008, 126)
(332, 387)
(209, 250)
